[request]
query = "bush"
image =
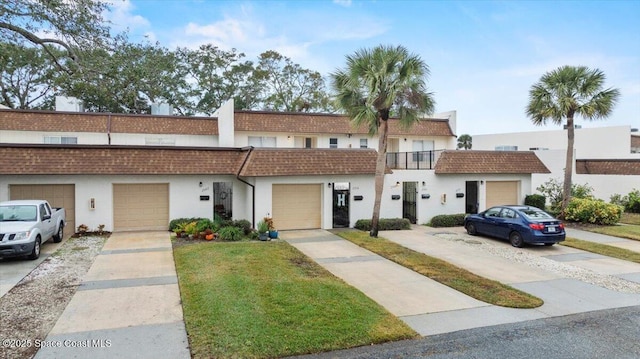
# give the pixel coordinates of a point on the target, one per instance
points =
(448, 220)
(552, 190)
(244, 225)
(174, 223)
(230, 233)
(586, 210)
(384, 224)
(535, 200)
(630, 202)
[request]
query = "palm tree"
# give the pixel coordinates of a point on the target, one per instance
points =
(464, 141)
(563, 93)
(377, 83)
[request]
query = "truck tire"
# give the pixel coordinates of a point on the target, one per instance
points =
(57, 238)
(35, 253)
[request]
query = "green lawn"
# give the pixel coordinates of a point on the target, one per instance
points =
(473, 285)
(605, 250)
(266, 299)
(623, 231)
(630, 218)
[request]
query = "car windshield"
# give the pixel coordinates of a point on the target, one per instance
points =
(534, 213)
(18, 213)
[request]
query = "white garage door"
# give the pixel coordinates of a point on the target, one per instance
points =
(297, 206)
(58, 195)
(139, 207)
(502, 193)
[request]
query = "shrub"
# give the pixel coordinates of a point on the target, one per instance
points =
(174, 223)
(230, 233)
(204, 224)
(552, 189)
(630, 202)
(535, 200)
(244, 225)
(384, 224)
(448, 220)
(586, 210)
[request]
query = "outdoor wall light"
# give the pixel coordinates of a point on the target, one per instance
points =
(200, 184)
(329, 184)
(424, 183)
(481, 182)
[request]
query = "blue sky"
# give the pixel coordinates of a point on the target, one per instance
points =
(483, 55)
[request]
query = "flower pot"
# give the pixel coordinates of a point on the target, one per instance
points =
(208, 236)
(273, 234)
(263, 236)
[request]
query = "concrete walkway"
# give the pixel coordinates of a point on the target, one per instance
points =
(431, 308)
(128, 305)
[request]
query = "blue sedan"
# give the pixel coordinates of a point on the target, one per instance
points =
(518, 224)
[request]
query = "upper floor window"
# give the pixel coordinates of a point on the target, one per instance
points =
(333, 143)
(364, 143)
(506, 148)
(61, 140)
(308, 142)
(419, 150)
(262, 141)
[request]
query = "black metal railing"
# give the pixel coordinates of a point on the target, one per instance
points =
(417, 160)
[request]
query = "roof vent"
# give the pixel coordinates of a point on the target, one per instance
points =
(162, 109)
(634, 130)
(69, 104)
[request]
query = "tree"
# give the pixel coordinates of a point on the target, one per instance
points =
(464, 141)
(26, 77)
(564, 93)
(377, 83)
(289, 87)
(72, 25)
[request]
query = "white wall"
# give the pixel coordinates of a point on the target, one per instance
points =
(141, 139)
(37, 137)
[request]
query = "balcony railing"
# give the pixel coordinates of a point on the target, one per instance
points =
(417, 160)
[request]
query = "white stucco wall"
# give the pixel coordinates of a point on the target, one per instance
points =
(84, 138)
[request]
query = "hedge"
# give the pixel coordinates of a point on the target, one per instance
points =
(535, 200)
(593, 211)
(448, 220)
(384, 224)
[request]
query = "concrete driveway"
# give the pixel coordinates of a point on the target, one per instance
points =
(12, 270)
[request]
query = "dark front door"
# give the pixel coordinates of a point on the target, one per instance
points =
(471, 192)
(410, 193)
(341, 205)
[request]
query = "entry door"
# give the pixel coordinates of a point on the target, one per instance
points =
(410, 194)
(341, 205)
(471, 195)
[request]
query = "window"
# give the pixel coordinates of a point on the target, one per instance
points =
(493, 212)
(333, 143)
(308, 142)
(256, 141)
(506, 148)
(420, 148)
(364, 143)
(61, 140)
(538, 148)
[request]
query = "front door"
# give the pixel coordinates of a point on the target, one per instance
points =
(341, 205)
(410, 192)
(471, 192)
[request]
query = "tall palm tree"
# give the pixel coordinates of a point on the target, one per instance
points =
(464, 141)
(563, 93)
(376, 84)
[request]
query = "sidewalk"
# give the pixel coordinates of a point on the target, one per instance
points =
(432, 308)
(128, 305)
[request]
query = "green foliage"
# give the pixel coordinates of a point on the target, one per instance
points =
(204, 224)
(174, 223)
(230, 233)
(263, 227)
(552, 189)
(448, 220)
(535, 200)
(244, 225)
(587, 210)
(385, 224)
(191, 228)
(630, 202)
(465, 142)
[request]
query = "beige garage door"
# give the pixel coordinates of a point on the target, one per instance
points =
(297, 206)
(139, 207)
(502, 193)
(58, 195)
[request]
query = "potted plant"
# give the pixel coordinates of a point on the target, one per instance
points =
(263, 231)
(208, 234)
(273, 232)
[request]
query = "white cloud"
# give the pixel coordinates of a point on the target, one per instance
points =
(345, 3)
(120, 15)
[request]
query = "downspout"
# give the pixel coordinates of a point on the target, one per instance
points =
(109, 129)
(253, 187)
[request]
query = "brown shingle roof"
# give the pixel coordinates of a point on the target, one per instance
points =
(28, 120)
(312, 161)
(297, 122)
(609, 167)
(489, 162)
(635, 141)
(79, 159)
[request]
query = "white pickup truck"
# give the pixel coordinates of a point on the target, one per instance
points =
(25, 225)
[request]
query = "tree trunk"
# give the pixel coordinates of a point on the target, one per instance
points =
(381, 165)
(568, 168)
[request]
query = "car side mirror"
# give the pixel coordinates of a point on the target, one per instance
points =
(46, 217)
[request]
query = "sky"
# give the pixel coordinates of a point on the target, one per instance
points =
(483, 56)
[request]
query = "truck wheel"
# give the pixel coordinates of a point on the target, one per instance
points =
(57, 238)
(35, 253)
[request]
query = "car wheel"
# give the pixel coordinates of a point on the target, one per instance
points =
(549, 244)
(35, 253)
(57, 238)
(471, 229)
(516, 239)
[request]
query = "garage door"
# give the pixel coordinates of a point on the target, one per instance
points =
(502, 193)
(297, 206)
(139, 207)
(58, 195)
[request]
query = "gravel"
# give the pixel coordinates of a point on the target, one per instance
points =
(31, 308)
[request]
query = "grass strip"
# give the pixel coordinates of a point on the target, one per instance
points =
(630, 218)
(604, 249)
(622, 231)
(266, 299)
(473, 285)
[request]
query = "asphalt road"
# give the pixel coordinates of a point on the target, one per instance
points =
(613, 333)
